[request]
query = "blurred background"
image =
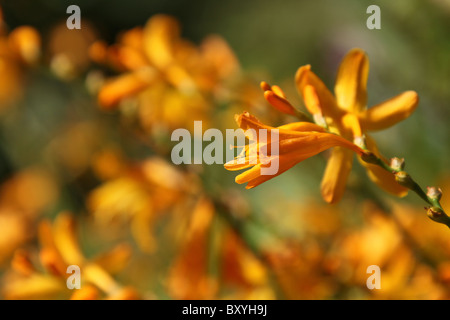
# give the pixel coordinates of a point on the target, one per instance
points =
(85, 169)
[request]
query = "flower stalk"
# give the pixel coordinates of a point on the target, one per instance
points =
(433, 195)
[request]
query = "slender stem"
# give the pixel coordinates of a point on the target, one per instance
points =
(303, 116)
(386, 209)
(435, 212)
(419, 191)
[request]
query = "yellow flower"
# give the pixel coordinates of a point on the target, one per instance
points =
(346, 114)
(296, 142)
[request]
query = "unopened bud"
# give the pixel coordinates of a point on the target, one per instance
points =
(434, 193)
(436, 214)
(404, 179)
(397, 164)
(265, 86)
(369, 157)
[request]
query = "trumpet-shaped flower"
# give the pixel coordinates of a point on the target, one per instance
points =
(296, 142)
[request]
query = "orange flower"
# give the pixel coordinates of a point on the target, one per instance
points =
(157, 53)
(19, 50)
(296, 142)
(60, 248)
(347, 114)
(137, 195)
(165, 81)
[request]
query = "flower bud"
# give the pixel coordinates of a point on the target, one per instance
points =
(436, 214)
(369, 157)
(397, 164)
(434, 193)
(405, 180)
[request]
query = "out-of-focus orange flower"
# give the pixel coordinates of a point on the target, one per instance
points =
(168, 74)
(243, 274)
(347, 114)
(236, 273)
(19, 49)
(84, 139)
(188, 276)
(108, 163)
(139, 194)
(296, 142)
(405, 267)
(29, 191)
(299, 272)
(25, 42)
(23, 198)
(159, 46)
(60, 249)
(14, 231)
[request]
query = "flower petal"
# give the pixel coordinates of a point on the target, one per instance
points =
(302, 127)
(65, 240)
(278, 91)
(249, 175)
(247, 121)
(336, 173)
(351, 124)
(311, 99)
(26, 42)
(314, 143)
(279, 103)
(161, 33)
(239, 164)
(284, 165)
(304, 77)
(351, 82)
(124, 86)
(216, 51)
(389, 112)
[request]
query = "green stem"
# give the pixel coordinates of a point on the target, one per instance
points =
(435, 212)
(419, 191)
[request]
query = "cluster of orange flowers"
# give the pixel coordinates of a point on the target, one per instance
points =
(175, 232)
(163, 75)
